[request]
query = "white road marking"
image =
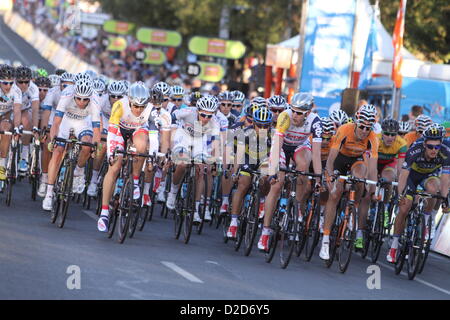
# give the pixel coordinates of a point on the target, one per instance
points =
(417, 279)
(181, 272)
(11, 45)
(212, 262)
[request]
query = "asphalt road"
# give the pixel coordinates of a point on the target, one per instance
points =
(35, 256)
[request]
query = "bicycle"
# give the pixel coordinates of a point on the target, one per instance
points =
(35, 166)
(415, 241)
(64, 181)
(216, 197)
(345, 225)
(164, 211)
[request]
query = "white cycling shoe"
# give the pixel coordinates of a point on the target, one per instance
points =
(47, 204)
(171, 200)
(42, 190)
(325, 251)
(92, 189)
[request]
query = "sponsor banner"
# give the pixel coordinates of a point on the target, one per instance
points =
(52, 3)
(210, 72)
(165, 38)
(117, 44)
(118, 27)
(328, 49)
(154, 56)
(94, 18)
(215, 47)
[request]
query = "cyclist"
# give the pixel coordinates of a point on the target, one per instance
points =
(27, 115)
(427, 164)
(128, 120)
(351, 142)
(99, 87)
(196, 127)
(177, 97)
(277, 104)
(238, 102)
(422, 123)
(78, 109)
(55, 80)
(294, 126)
(49, 106)
(116, 91)
(339, 117)
(165, 89)
(404, 128)
(225, 99)
(10, 99)
(193, 98)
(252, 152)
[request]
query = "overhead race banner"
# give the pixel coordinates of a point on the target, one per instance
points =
(215, 47)
(154, 56)
(118, 27)
(328, 50)
(165, 38)
(210, 72)
(117, 44)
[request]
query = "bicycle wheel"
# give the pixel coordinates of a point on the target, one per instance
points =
(427, 246)
(333, 246)
(65, 195)
(312, 232)
(377, 234)
(252, 225)
(55, 207)
(137, 210)
(273, 242)
(203, 204)
(189, 210)
(113, 218)
(125, 210)
(347, 239)
(178, 216)
(402, 252)
(11, 174)
(288, 234)
(416, 249)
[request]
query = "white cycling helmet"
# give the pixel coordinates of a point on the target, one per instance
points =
(176, 91)
(238, 96)
(67, 77)
(405, 127)
(117, 88)
(55, 80)
(138, 94)
(303, 101)
(163, 87)
(83, 88)
(208, 103)
(422, 123)
(339, 117)
(99, 86)
(82, 75)
(366, 113)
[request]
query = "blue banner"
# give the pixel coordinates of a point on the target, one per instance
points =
(328, 50)
(366, 72)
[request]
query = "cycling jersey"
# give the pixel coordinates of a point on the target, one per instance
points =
(8, 100)
(388, 154)
(257, 147)
(415, 160)
(411, 137)
(231, 118)
(122, 116)
(294, 136)
(222, 120)
(159, 120)
(188, 121)
(347, 144)
(52, 98)
(171, 107)
(29, 96)
(67, 108)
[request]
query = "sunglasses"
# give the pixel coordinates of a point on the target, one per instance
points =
(433, 146)
(237, 105)
(249, 120)
(262, 126)
(177, 100)
(390, 134)
(115, 97)
(23, 82)
(83, 99)
(300, 113)
(99, 94)
(65, 85)
(206, 116)
(277, 110)
(6, 83)
(326, 138)
(165, 100)
(43, 89)
(138, 107)
(365, 128)
(226, 104)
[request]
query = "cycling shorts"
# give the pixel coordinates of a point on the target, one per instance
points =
(416, 179)
(81, 129)
(345, 164)
(120, 139)
(185, 145)
(391, 165)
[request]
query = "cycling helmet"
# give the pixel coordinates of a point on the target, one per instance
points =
(138, 94)
(156, 96)
(390, 125)
(59, 72)
(23, 73)
(404, 127)
(163, 87)
(434, 132)
(259, 101)
(195, 96)
(91, 74)
(67, 77)
(277, 102)
(422, 123)
(127, 84)
(208, 103)
(250, 109)
(7, 72)
(366, 113)
(226, 96)
(82, 75)
(328, 126)
(262, 115)
(116, 88)
(302, 100)
(41, 72)
(238, 96)
(176, 91)
(98, 86)
(43, 82)
(83, 88)
(55, 80)
(339, 117)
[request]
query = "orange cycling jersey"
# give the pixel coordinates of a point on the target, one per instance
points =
(346, 143)
(411, 137)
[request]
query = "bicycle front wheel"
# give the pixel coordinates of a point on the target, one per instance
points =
(288, 234)
(312, 232)
(346, 240)
(125, 210)
(416, 250)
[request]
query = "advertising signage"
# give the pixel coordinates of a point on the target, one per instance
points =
(118, 27)
(215, 47)
(165, 38)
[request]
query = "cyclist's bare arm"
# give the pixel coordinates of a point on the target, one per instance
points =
(275, 153)
(35, 113)
(17, 114)
(55, 127)
(402, 179)
(316, 157)
(330, 161)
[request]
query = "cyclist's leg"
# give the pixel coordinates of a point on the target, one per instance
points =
(53, 169)
(5, 141)
(302, 157)
(431, 185)
(243, 185)
(26, 139)
(140, 141)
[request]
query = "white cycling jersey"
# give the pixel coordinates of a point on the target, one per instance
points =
(8, 100)
(67, 108)
(222, 120)
(52, 98)
(29, 96)
(188, 121)
(171, 107)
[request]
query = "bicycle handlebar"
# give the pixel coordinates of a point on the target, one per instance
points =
(82, 143)
(302, 173)
(10, 133)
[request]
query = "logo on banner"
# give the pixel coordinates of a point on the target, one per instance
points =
(211, 71)
(121, 27)
(159, 36)
(217, 46)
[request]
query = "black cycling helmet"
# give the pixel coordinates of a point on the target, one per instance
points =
(434, 132)
(390, 125)
(23, 73)
(7, 72)
(59, 72)
(195, 96)
(156, 96)
(43, 82)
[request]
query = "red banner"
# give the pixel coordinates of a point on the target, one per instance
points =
(397, 40)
